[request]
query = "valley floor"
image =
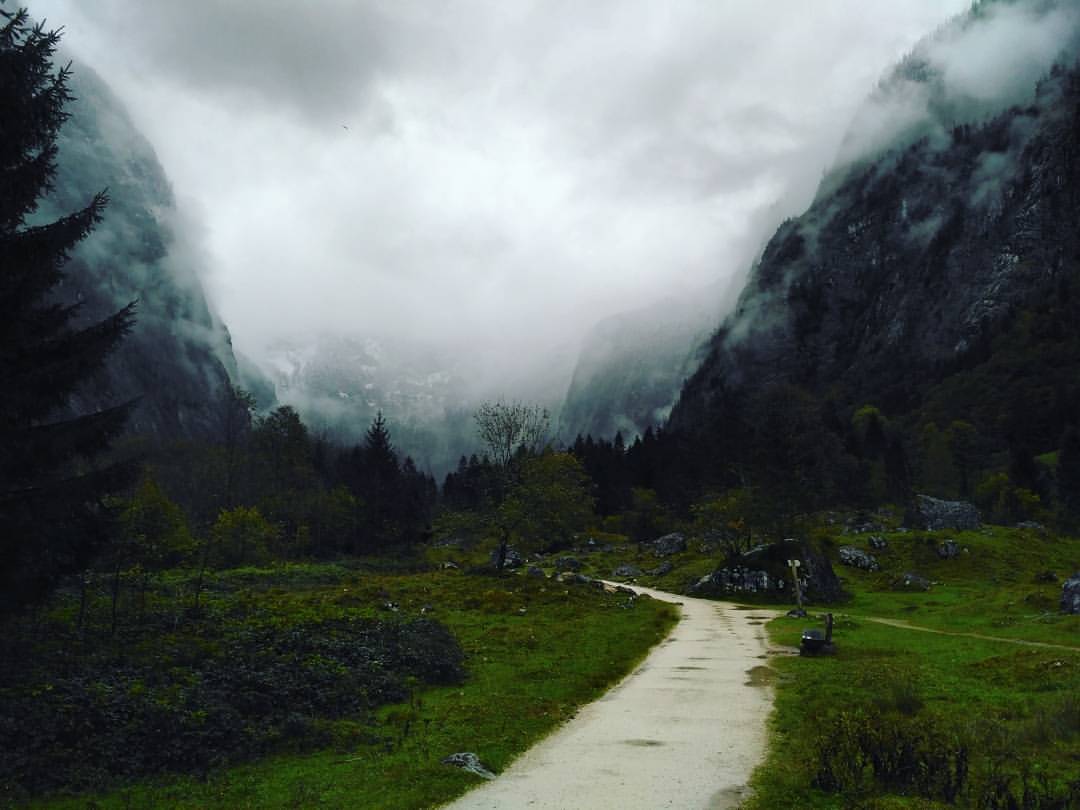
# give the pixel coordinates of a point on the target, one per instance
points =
(684, 730)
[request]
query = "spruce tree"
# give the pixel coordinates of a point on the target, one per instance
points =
(52, 517)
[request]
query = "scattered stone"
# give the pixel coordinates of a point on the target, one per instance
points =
(450, 542)
(627, 571)
(450, 565)
(878, 543)
(910, 581)
(513, 558)
(857, 558)
(663, 568)
(568, 564)
(534, 571)
(796, 613)
(933, 514)
(468, 761)
(393, 607)
(624, 589)
(948, 550)
(669, 544)
(1070, 595)
(573, 578)
(1031, 524)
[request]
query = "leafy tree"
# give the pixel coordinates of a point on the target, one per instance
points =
(52, 513)
(549, 504)
(242, 536)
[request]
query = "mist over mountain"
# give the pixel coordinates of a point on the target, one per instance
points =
(947, 254)
(632, 366)
(427, 391)
(178, 360)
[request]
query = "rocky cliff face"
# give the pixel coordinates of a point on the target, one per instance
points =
(178, 359)
(915, 257)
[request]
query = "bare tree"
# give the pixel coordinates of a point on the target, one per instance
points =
(505, 428)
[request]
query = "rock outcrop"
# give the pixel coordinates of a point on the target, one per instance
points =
(933, 514)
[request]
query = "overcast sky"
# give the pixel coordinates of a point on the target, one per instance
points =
(499, 171)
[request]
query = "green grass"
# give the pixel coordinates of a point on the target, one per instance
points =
(1016, 706)
(536, 651)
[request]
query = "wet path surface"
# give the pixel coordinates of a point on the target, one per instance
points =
(684, 730)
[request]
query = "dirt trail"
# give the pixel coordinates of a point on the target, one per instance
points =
(908, 626)
(684, 730)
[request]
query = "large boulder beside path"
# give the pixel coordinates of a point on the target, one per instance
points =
(764, 571)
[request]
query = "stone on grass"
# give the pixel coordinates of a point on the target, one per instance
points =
(669, 544)
(933, 514)
(568, 564)
(857, 558)
(663, 568)
(948, 550)
(627, 571)
(1070, 595)
(910, 581)
(878, 543)
(534, 571)
(513, 558)
(468, 761)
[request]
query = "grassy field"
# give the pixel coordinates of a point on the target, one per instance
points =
(535, 652)
(901, 718)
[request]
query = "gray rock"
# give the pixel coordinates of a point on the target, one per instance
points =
(663, 568)
(910, 581)
(933, 514)
(878, 543)
(568, 564)
(627, 571)
(736, 579)
(669, 544)
(1070, 595)
(796, 613)
(574, 578)
(468, 761)
(948, 550)
(513, 558)
(450, 565)
(534, 571)
(857, 558)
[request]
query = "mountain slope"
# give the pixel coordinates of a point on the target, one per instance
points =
(178, 359)
(917, 259)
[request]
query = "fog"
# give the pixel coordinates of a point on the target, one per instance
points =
(490, 177)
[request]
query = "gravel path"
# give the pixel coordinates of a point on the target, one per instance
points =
(684, 730)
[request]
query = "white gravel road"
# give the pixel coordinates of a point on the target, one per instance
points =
(684, 730)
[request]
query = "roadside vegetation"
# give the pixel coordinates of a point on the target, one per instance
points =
(332, 685)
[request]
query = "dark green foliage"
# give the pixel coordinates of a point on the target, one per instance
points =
(895, 752)
(51, 515)
(227, 695)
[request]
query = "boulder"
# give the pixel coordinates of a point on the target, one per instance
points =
(627, 571)
(910, 581)
(568, 564)
(663, 568)
(764, 571)
(948, 550)
(933, 514)
(878, 543)
(468, 761)
(1070, 595)
(513, 558)
(857, 558)
(534, 571)
(574, 578)
(669, 544)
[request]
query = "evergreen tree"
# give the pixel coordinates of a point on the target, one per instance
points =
(52, 517)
